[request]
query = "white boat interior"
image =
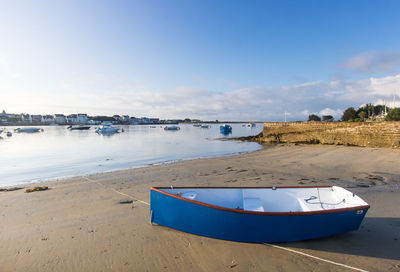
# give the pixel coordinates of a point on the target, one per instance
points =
(273, 199)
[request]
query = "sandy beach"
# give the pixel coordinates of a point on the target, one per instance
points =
(79, 224)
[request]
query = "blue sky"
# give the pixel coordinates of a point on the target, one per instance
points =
(227, 60)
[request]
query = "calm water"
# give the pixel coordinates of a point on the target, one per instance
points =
(59, 153)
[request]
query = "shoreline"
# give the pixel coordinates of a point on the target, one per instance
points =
(240, 139)
(206, 160)
(80, 224)
(264, 146)
(34, 182)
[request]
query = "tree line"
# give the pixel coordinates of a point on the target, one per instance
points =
(363, 113)
(371, 112)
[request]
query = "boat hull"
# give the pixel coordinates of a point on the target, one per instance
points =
(108, 132)
(27, 130)
(80, 128)
(225, 130)
(172, 128)
(188, 216)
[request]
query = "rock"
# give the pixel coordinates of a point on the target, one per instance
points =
(371, 134)
(128, 201)
(10, 189)
(37, 188)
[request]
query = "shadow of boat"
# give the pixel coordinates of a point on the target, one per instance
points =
(377, 237)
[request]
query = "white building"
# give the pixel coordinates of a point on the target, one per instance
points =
(125, 118)
(133, 121)
(26, 118)
(82, 118)
(144, 120)
(60, 119)
(47, 119)
(72, 119)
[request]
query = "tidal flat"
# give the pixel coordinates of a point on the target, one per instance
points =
(101, 222)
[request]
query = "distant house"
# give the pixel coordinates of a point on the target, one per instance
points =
(60, 119)
(154, 120)
(94, 122)
(8, 117)
(82, 118)
(36, 118)
(47, 119)
(72, 119)
(117, 118)
(101, 119)
(133, 121)
(26, 118)
(144, 120)
(124, 119)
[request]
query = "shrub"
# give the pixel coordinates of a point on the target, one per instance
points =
(393, 115)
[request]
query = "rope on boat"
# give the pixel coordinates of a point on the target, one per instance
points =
(320, 202)
(314, 257)
(118, 192)
(319, 197)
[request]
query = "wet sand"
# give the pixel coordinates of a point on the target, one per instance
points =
(80, 225)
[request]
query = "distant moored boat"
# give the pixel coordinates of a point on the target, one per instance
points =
(225, 129)
(107, 129)
(172, 128)
(79, 127)
(28, 130)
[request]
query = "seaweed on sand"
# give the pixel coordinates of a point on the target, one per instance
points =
(37, 188)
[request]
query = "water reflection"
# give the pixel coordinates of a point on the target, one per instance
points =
(60, 152)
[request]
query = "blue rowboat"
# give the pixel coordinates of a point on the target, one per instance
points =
(259, 215)
(225, 129)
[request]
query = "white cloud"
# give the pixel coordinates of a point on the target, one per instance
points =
(187, 92)
(335, 113)
(373, 62)
(305, 113)
(255, 103)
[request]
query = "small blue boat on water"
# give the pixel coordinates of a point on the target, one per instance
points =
(259, 215)
(225, 129)
(172, 128)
